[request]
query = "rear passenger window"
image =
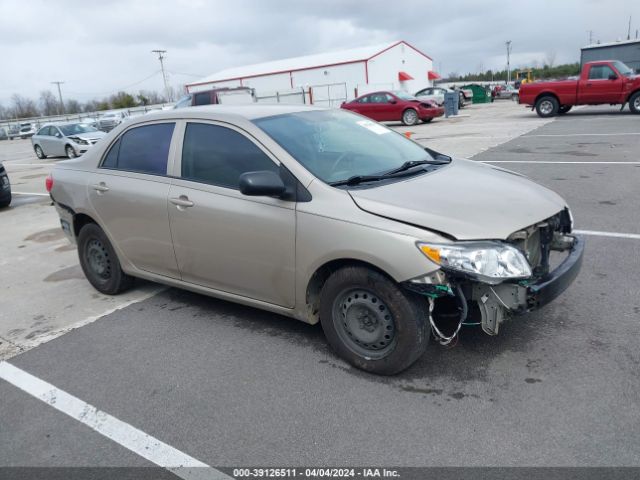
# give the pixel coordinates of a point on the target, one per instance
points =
(219, 155)
(142, 149)
(202, 98)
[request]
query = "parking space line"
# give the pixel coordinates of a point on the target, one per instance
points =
(122, 433)
(9, 162)
(619, 134)
(595, 233)
(550, 162)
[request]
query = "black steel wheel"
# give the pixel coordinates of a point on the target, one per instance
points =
(371, 322)
(99, 261)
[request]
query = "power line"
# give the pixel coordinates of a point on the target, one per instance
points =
(161, 54)
(118, 89)
(61, 108)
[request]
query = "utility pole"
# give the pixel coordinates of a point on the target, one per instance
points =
(590, 32)
(629, 29)
(508, 44)
(161, 54)
(61, 109)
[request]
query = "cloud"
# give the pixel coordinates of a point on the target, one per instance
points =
(98, 48)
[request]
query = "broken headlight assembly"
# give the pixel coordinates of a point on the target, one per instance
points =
(490, 262)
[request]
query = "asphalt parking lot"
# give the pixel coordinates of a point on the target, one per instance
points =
(233, 386)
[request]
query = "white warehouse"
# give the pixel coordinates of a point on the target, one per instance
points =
(332, 77)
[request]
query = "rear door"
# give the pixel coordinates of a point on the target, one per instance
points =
(129, 193)
(602, 85)
(223, 239)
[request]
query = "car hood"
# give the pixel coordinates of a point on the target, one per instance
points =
(466, 200)
(90, 135)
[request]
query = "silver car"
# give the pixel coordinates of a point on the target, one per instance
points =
(69, 139)
(320, 215)
(111, 120)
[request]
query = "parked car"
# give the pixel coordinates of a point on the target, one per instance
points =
(436, 94)
(320, 215)
(3, 134)
(394, 105)
(27, 130)
(500, 92)
(111, 120)
(13, 131)
(69, 139)
(602, 82)
(229, 96)
(5, 188)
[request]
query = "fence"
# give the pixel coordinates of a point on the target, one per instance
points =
(296, 96)
(329, 95)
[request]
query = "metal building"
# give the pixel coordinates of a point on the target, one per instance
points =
(333, 77)
(627, 51)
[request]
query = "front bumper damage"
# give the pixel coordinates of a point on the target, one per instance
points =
(490, 305)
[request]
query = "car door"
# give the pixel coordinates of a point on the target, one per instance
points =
(42, 138)
(223, 239)
(600, 85)
(362, 106)
(56, 141)
(382, 108)
(439, 95)
(129, 193)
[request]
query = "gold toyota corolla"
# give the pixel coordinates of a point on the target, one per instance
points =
(321, 215)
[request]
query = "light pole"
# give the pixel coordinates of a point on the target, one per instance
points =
(61, 109)
(164, 76)
(508, 44)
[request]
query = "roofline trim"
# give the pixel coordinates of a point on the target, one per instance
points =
(279, 72)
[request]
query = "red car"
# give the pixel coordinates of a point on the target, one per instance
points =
(601, 82)
(394, 106)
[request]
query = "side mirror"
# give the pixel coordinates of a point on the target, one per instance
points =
(59, 135)
(613, 76)
(393, 101)
(261, 184)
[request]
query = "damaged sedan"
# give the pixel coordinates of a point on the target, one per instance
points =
(320, 215)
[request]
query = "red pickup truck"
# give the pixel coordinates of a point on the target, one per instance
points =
(600, 82)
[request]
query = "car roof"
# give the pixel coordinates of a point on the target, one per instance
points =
(249, 112)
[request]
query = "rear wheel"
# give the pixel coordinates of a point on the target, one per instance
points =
(564, 109)
(99, 261)
(409, 117)
(547, 106)
(71, 153)
(371, 323)
(39, 153)
(634, 103)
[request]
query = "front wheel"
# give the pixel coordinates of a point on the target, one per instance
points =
(564, 109)
(634, 103)
(409, 117)
(39, 153)
(71, 153)
(99, 261)
(371, 322)
(547, 106)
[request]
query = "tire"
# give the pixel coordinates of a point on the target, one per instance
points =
(99, 261)
(71, 153)
(39, 153)
(410, 117)
(547, 106)
(634, 103)
(564, 109)
(6, 202)
(371, 322)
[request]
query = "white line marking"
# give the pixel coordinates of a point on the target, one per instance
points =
(122, 433)
(581, 134)
(28, 164)
(549, 162)
(595, 233)
(31, 193)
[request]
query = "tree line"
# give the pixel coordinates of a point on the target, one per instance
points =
(48, 104)
(544, 72)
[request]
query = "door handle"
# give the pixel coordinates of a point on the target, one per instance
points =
(100, 187)
(182, 201)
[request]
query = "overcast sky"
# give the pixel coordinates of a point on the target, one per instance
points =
(100, 47)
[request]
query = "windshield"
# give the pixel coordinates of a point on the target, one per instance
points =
(336, 145)
(622, 68)
(76, 128)
(404, 95)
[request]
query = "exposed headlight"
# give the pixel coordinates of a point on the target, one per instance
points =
(489, 262)
(79, 140)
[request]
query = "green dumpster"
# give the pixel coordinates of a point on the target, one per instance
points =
(480, 94)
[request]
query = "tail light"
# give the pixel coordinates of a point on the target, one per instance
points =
(48, 183)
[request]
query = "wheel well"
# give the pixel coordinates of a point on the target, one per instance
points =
(547, 94)
(79, 221)
(632, 94)
(320, 276)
